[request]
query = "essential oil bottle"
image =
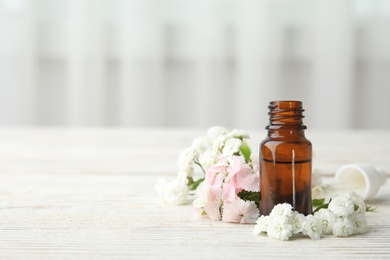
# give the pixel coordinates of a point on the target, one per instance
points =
(285, 160)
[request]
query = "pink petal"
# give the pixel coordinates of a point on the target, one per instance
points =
(231, 212)
(216, 173)
(236, 163)
(229, 192)
(240, 211)
(213, 204)
(251, 212)
(212, 210)
(248, 180)
(217, 182)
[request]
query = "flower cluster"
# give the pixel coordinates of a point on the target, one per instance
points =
(342, 216)
(229, 187)
(283, 222)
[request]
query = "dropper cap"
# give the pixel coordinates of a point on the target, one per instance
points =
(365, 178)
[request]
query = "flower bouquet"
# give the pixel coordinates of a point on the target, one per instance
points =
(228, 187)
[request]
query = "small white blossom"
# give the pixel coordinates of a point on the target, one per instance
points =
(216, 131)
(261, 224)
(358, 201)
(174, 192)
(359, 223)
(183, 175)
(327, 219)
(312, 227)
(297, 220)
(219, 142)
(281, 211)
(343, 227)
(237, 133)
(201, 144)
(207, 159)
(231, 146)
(279, 229)
(341, 206)
(186, 160)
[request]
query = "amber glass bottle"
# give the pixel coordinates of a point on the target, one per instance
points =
(285, 160)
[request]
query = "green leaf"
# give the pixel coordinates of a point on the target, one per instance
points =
(318, 202)
(245, 151)
(194, 184)
(322, 206)
(370, 208)
(250, 195)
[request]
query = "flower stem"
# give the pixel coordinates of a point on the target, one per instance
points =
(197, 163)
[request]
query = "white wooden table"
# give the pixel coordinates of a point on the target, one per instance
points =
(89, 193)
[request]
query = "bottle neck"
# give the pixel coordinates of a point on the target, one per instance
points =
(286, 133)
(286, 116)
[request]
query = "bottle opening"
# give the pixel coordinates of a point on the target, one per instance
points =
(286, 113)
(286, 104)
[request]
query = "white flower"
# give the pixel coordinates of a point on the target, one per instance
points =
(327, 219)
(216, 131)
(297, 220)
(219, 142)
(358, 201)
(343, 227)
(186, 160)
(231, 146)
(359, 223)
(312, 227)
(183, 175)
(174, 192)
(281, 211)
(201, 144)
(261, 224)
(279, 229)
(207, 159)
(341, 206)
(237, 133)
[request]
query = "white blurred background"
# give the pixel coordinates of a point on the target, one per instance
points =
(193, 63)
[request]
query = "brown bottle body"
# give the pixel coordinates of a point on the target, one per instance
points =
(285, 160)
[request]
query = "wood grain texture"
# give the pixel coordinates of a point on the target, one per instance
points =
(89, 194)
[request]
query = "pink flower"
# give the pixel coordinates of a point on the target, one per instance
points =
(217, 173)
(244, 177)
(214, 203)
(240, 211)
(229, 192)
(201, 197)
(235, 164)
(247, 179)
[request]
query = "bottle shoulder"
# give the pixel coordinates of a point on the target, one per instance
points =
(284, 150)
(272, 141)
